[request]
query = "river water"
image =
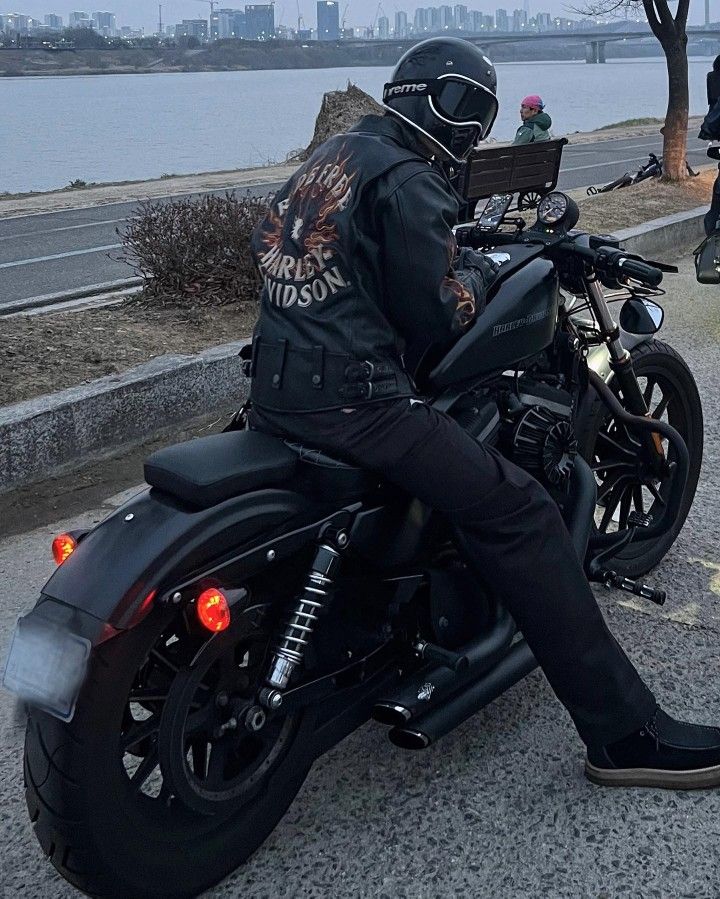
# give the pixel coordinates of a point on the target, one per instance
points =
(122, 127)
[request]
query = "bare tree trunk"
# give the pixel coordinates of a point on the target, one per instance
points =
(676, 119)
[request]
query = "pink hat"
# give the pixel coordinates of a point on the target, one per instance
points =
(533, 100)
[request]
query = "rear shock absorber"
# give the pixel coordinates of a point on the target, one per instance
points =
(290, 649)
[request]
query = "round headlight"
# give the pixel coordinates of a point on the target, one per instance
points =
(552, 208)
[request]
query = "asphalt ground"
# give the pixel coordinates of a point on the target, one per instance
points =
(62, 251)
(499, 808)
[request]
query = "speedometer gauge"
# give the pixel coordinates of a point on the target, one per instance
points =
(552, 208)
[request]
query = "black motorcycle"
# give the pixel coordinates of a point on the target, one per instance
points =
(195, 652)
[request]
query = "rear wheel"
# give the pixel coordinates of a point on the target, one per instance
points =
(627, 490)
(167, 778)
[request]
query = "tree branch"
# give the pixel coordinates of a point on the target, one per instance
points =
(681, 16)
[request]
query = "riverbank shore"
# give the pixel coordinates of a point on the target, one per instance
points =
(34, 203)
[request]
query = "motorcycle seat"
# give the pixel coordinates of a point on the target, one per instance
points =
(209, 470)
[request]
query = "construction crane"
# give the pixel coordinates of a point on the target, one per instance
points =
(301, 21)
(371, 29)
(211, 4)
(344, 16)
(160, 33)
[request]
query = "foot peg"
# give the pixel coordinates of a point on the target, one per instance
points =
(455, 661)
(611, 579)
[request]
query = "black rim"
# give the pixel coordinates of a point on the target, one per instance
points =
(629, 493)
(188, 745)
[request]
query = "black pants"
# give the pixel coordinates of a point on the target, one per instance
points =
(517, 538)
(713, 214)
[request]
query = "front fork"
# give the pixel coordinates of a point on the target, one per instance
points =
(624, 371)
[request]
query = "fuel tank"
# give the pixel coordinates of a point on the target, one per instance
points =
(518, 322)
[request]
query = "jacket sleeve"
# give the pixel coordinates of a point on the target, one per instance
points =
(524, 135)
(426, 299)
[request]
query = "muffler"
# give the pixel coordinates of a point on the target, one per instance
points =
(428, 687)
(441, 719)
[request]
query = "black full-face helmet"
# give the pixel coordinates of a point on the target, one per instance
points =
(445, 88)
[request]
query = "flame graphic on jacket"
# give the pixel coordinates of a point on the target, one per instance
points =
(304, 217)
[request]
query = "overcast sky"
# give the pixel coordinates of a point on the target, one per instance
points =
(359, 13)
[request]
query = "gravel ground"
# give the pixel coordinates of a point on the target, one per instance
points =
(499, 808)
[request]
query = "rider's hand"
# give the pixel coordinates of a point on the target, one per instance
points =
(469, 259)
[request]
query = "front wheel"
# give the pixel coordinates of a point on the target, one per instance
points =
(164, 782)
(627, 491)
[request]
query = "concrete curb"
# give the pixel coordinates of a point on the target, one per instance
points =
(62, 431)
(64, 296)
(668, 235)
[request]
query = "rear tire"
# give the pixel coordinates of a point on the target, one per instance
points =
(111, 841)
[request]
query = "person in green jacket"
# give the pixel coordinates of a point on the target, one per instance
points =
(535, 123)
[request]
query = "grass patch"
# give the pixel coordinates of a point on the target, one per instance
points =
(627, 123)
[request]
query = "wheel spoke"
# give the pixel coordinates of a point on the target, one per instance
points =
(659, 410)
(216, 765)
(624, 450)
(612, 504)
(656, 493)
(609, 466)
(199, 749)
(165, 662)
(147, 696)
(647, 395)
(144, 770)
(625, 503)
(200, 719)
(638, 499)
(141, 731)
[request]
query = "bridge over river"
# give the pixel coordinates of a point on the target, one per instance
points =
(594, 39)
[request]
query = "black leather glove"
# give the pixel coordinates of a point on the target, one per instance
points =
(470, 260)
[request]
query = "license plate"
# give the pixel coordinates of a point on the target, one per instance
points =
(46, 666)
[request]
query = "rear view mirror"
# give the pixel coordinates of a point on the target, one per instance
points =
(641, 316)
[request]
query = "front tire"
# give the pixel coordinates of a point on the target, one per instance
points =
(672, 395)
(104, 834)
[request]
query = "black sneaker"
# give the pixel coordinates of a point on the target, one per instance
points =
(663, 753)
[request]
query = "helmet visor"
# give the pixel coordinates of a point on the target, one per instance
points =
(460, 101)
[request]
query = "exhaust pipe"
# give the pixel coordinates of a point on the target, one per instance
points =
(428, 687)
(440, 720)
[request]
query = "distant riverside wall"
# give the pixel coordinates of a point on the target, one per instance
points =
(246, 55)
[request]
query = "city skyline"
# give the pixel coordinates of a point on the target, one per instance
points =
(359, 13)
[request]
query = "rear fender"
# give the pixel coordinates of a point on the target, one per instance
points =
(153, 543)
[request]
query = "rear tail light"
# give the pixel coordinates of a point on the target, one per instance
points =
(62, 547)
(213, 610)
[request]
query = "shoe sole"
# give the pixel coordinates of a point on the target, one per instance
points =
(698, 779)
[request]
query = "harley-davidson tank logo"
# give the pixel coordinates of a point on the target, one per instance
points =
(301, 261)
(504, 327)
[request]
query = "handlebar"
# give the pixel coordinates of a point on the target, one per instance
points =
(616, 263)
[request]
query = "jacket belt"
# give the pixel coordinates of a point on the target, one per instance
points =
(289, 378)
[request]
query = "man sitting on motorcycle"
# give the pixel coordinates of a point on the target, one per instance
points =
(361, 281)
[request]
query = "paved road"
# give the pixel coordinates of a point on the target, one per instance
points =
(61, 251)
(499, 808)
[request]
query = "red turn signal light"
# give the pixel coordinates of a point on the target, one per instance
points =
(213, 610)
(62, 547)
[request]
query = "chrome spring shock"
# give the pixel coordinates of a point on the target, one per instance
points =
(290, 650)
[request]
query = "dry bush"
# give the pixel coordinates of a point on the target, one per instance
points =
(195, 249)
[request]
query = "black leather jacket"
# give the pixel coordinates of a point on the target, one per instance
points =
(360, 265)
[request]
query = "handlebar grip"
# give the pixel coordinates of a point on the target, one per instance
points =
(640, 271)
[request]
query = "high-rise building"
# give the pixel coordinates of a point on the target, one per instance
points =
(501, 20)
(15, 23)
(460, 18)
(519, 20)
(105, 23)
(53, 21)
(401, 24)
(230, 24)
(80, 20)
(544, 21)
(421, 21)
(446, 17)
(328, 20)
(193, 28)
(383, 28)
(260, 22)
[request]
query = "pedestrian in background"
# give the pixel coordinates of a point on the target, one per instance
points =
(710, 130)
(535, 122)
